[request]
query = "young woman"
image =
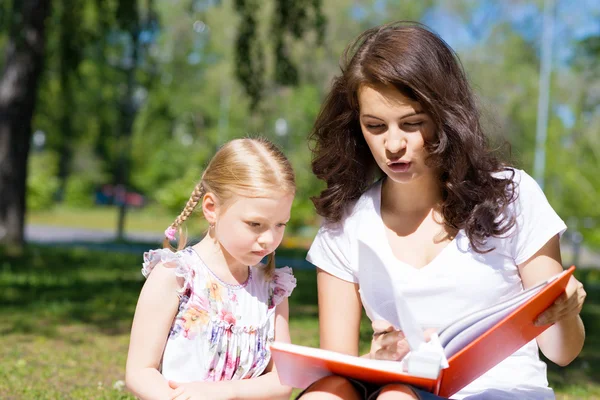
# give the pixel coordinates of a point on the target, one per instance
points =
(409, 175)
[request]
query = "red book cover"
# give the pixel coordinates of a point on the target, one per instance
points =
(299, 366)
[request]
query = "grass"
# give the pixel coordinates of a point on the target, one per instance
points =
(105, 218)
(65, 316)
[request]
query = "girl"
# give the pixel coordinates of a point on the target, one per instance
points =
(456, 229)
(207, 313)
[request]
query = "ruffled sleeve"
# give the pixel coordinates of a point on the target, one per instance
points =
(282, 285)
(167, 258)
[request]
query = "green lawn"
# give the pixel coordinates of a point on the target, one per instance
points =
(65, 316)
(142, 220)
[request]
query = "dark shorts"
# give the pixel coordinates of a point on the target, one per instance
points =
(369, 391)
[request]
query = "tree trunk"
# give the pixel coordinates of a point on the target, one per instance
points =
(18, 95)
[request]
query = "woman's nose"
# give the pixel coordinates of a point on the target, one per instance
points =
(395, 141)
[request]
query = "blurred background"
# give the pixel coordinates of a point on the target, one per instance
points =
(110, 109)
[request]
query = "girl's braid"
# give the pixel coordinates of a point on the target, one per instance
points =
(192, 203)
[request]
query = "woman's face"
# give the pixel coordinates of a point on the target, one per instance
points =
(396, 130)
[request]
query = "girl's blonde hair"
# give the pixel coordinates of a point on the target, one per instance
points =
(248, 167)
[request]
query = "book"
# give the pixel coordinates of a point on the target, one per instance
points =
(455, 356)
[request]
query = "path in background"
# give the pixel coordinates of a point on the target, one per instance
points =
(143, 241)
(137, 242)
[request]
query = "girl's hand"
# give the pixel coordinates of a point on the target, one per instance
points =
(199, 391)
(567, 305)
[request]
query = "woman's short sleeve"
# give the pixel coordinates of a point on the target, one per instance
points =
(331, 252)
(166, 257)
(282, 285)
(536, 220)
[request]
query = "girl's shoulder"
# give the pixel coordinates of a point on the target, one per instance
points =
(280, 283)
(182, 262)
(283, 283)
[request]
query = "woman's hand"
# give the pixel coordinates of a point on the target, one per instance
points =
(199, 391)
(567, 305)
(389, 343)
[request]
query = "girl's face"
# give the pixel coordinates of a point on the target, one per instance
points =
(396, 130)
(250, 228)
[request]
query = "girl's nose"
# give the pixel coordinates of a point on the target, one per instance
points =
(266, 238)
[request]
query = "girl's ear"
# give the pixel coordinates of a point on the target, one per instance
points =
(210, 208)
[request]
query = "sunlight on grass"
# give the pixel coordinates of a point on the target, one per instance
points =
(65, 316)
(105, 218)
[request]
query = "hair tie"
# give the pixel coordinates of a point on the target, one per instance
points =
(170, 233)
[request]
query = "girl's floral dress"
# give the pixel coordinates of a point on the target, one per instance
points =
(222, 331)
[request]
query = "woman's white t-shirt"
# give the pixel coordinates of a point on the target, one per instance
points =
(457, 282)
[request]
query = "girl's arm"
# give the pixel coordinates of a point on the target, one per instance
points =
(563, 341)
(266, 386)
(156, 309)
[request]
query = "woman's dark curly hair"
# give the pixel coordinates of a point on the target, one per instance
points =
(424, 68)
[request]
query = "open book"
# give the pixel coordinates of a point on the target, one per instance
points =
(455, 356)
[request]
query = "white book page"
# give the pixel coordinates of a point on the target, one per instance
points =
(464, 322)
(400, 315)
(425, 358)
(467, 328)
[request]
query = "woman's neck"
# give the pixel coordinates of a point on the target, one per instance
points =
(421, 195)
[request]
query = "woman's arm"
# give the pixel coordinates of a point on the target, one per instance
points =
(563, 341)
(266, 386)
(154, 314)
(338, 330)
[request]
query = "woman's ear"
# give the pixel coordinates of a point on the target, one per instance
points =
(210, 208)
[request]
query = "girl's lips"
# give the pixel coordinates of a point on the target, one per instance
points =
(399, 166)
(260, 253)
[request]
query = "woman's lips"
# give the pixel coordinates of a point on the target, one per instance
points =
(399, 166)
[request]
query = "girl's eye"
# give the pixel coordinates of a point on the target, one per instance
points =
(253, 224)
(374, 126)
(281, 225)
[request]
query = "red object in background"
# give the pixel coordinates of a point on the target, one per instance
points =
(117, 195)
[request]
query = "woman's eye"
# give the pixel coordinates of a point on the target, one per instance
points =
(413, 124)
(281, 225)
(253, 224)
(374, 126)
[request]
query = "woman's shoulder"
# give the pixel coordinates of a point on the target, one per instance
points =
(518, 176)
(356, 210)
(525, 187)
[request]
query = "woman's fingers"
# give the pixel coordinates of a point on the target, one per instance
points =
(395, 350)
(391, 338)
(380, 326)
(428, 332)
(389, 343)
(569, 304)
(176, 393)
